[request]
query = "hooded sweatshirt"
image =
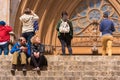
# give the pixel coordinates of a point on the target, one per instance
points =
(28, 21)
(4, 33)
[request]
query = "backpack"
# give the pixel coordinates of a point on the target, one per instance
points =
(35, 26)
(64, 27)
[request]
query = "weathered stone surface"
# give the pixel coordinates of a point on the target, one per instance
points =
(67, 68)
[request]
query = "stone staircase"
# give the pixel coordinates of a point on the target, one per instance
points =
(76, 67)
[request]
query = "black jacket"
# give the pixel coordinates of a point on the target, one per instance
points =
(37, 48)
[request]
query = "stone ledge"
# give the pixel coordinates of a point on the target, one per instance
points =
(59, 78)
(71, 58)
(77, 67)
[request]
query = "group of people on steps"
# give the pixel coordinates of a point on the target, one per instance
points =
(30, 46)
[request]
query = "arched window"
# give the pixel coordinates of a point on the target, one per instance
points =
(90, 10)
(83, 17)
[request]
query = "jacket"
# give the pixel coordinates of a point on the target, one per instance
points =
(37, 48)
(28, 22)
(4, 33)
(107, 27)
(16, 48)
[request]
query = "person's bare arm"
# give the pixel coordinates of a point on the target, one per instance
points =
(35, 17)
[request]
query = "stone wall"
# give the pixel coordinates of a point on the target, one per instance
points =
(4, 10)
(68, 68)
(14, 5)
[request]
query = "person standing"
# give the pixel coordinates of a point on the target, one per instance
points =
(107, 28)
(4, 37)
(27, 20)
(65, 32)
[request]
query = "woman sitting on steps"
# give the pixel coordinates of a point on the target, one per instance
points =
(38, 60)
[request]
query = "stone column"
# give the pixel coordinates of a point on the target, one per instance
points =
(5, 10)
(14, 5)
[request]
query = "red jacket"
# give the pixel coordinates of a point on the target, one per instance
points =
(4, 33)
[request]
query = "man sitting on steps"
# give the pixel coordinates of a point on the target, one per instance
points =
(19, 50)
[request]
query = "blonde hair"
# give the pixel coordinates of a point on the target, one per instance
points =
(33, 39)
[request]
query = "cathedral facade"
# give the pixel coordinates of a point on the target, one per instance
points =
(82, 13)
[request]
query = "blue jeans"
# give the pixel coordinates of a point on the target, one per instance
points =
(4, 48)
(65, 40)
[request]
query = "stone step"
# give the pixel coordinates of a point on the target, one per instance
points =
(73, 63)
(72, 58)
(62, 73)
(58, 78)
(67, 68)
(40, 78)
(73, 67)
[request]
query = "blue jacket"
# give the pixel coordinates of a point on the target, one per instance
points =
(107, 26)
(16, 48)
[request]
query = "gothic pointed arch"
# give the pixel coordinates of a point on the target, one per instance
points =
(82, 13)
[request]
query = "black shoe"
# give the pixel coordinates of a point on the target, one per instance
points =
(24, 68)
(13, 67)
(63, 54)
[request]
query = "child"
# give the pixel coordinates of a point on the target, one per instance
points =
(38, 60)
(19, 49)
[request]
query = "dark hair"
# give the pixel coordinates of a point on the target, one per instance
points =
(64, 13)
(27, 11)
(21, 39)
(105, 14)
(3, 23)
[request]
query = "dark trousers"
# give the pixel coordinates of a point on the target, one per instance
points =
(4, 48)
(38, 62)
(28, 36)
(65, 40)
